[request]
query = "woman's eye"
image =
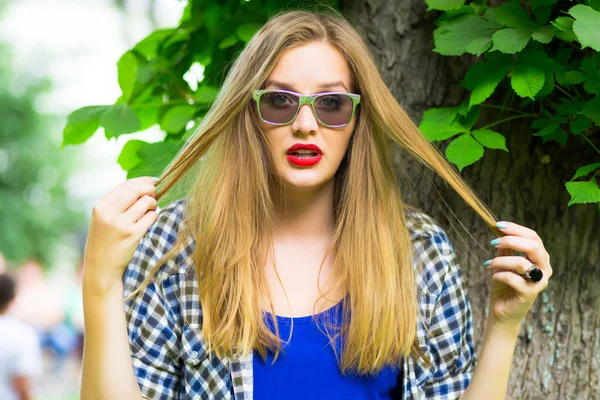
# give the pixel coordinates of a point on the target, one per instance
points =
(278, 99)
(330, 102)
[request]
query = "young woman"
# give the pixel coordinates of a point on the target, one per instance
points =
(290, 267)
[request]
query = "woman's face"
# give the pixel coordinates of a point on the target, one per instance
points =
(315, 67)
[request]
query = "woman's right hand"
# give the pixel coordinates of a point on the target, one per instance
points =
(119, 220)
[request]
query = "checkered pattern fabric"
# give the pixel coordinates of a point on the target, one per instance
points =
(169, 356)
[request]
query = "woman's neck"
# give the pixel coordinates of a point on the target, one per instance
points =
(309, 214)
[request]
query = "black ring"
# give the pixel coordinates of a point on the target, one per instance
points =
(534, 274)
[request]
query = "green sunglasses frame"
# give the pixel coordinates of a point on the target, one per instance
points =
(305, 99)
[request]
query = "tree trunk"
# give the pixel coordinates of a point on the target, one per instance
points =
(558, 351)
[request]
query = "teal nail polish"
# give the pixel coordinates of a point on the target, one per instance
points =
(501, 225)
(487, 263)
(495, 242)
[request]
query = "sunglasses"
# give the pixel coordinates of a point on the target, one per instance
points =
(280, 107)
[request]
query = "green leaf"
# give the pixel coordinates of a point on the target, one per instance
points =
(479, 46)
(542, 14)
(246, 31)
(586, 26)
(443, 115)
(538, 3)
(127, 70)
(482, 79)
(79, 132)
(444, 5)
(566, 36)
(149, 45)
(437, 131)
(176, 118)
(592, 110)
(440, 123)
(568, 107)
(575, 77)
(586, 169)
(559, 135)
(148, 116)
(469, 120)
(548, 85)
(562, 56)
(551, 131)
(588, 65)
(512, 15)
(465, 34)
(128, 157)
(544, 34)
(155, 157)
(511, 40)
(180, 35)
(595, 4)
(87, 113)
(82, 124)
(490, 139)
(464, 151)
(565, 24)
(229, 41)
(583, 192)
(547, 130)
(527, 80)
(119, 119)
(579, 124)
(539, 59)
(206, 94)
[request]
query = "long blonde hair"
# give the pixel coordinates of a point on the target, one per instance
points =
(231, 214)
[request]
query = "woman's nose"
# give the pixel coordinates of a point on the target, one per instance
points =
(305, 120)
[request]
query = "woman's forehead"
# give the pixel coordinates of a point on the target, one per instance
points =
(310, 67)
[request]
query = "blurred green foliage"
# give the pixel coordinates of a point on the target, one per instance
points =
(35, 208)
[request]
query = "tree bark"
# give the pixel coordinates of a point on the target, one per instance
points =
(558, 350)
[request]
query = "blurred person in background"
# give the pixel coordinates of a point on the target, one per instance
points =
(40, 304)
(20, 352)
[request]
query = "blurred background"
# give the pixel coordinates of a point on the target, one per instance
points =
(57, 56)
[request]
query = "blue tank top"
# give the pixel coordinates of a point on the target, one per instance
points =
(309, 370)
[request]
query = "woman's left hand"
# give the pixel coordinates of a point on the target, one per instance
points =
(511, 293)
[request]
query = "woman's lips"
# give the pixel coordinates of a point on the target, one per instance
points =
(304, 161)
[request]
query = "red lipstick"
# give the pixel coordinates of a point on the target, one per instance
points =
(304, 154)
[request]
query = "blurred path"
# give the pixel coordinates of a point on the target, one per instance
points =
(63, 386)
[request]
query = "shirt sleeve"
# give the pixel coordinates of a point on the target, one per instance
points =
(450, 345)
(153, 322)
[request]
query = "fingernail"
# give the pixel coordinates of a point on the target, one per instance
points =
(155, 179)
(487, 263)
(495, 242)
(501, 225)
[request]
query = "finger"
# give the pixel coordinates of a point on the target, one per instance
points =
(518, 230)
(511, 263)
(142, 226)
(535, 250)
(124, 195)
(513, 280)
(138, 210)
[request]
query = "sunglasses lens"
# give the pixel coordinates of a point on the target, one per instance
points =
(278, 107)
(334, 109)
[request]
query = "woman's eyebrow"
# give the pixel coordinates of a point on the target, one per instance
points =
(286, 86)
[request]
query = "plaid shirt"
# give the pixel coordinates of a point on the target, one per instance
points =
(169, 357)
